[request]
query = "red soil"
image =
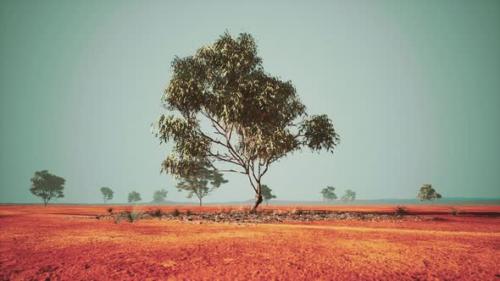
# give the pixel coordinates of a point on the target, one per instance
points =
(64, 243)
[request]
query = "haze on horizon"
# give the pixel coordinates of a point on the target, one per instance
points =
(412, 88)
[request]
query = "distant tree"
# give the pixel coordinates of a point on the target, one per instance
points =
(224, 108)
(267, 193)
(134, 197)
(349, 195)
(329, 193)
(427, 192)
(107, 193)
(159, 196)
(47, 186)
(197, 183)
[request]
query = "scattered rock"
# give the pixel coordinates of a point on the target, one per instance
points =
(264, 216)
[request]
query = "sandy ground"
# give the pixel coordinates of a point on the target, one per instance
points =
(67, 243)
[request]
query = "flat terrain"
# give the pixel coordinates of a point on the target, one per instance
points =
(67, 242)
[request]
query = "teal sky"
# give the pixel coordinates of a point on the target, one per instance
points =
(413, 88)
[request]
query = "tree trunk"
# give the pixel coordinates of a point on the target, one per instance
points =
(200, 201)
(258, 199)
(45, 202)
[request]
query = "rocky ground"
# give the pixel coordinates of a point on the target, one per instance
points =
(266, 216)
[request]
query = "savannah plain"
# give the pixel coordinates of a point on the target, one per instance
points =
(67, 242)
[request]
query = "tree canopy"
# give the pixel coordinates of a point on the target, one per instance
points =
(159, 196)
(134, 196)
(224, 108)
(107, 193)
(267, 193)
(329, 193)
(47, 186)
(349, 195)
(197, 183)
(427, 192)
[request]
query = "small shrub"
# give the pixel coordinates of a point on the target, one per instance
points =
(131, 216)
(454, 211)
(117, 219)
(128, 215)
(296, 211)
(176, 212)
(188, 212)
(156, 213)
(401, 211)
(110, 210)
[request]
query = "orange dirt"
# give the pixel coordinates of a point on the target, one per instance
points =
(67, 243)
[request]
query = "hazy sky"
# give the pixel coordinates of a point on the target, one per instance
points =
(413, 88)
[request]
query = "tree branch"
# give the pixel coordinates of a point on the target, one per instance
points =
(224, 158)
(233, 171)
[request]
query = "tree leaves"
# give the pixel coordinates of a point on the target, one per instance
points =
(107, 193)
(319, 133)
(329, 193)
(47, 186)
(196, 183)
(159, 196)
(253, 118)
(267, 193)
(134, 196)
(427, 192)
(349, 195)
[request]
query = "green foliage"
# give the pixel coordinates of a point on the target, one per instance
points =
(197, 183)
(349, 195)
(134, 197)
(427, 192)
(107, 193)
(47, 186)
(250, 119)
(267, 193)
(329, 193)
(159, 196)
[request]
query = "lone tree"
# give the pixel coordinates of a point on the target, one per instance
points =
(349, 195)
(197, 183)
(47, 186)
(427, 192)
(329, 193)
(223, 108)
(267, 193)
(134, 197)
(159, 196)
(107, 193)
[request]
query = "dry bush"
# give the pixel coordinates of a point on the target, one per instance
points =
(158, 213)
(296, 211)
(176, 212)
(454, 211)
(401, 211)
